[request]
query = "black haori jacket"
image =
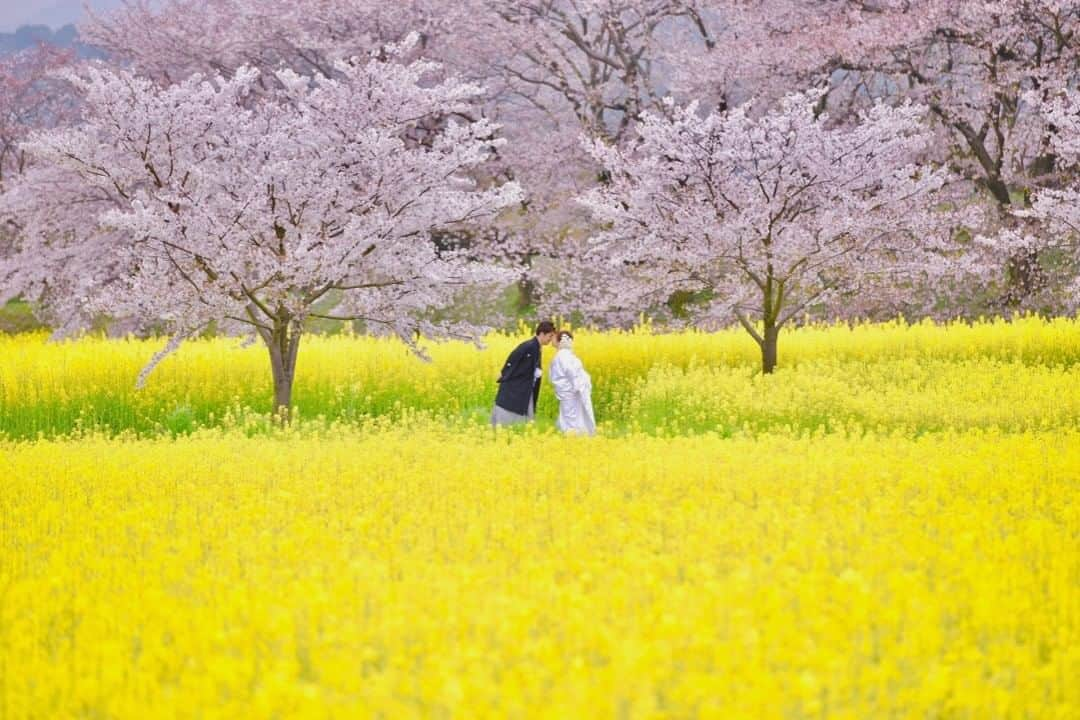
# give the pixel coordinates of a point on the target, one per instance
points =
(517, 382)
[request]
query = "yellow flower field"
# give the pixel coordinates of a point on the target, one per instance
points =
(1012, 376)
(886, 528)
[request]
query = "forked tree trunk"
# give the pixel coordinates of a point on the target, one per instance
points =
(772, 302)
(283, 344)
(765, 339)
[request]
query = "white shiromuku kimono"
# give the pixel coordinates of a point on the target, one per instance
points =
(573, 387)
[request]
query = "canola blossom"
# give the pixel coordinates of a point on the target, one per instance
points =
(422, 572)
(1013, 376)
(888, 527)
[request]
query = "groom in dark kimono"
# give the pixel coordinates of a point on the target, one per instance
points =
(519, 382)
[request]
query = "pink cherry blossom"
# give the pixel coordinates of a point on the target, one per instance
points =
(317, 199)
(767, 217)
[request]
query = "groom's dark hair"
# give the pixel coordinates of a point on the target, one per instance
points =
(545, 326)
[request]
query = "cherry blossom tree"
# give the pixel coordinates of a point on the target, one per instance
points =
(59, 254)
(766, 217)
(1057, 206)
(315, 200)
(970, 62)
(557, 69)
(29, 98)
(553, 68)
(594, 59)
(170, 40)
(972, 72)
(597, 59)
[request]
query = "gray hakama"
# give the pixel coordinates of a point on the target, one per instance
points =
(502, 416)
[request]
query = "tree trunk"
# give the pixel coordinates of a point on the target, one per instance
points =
(765, 340)
(526, 294)
(768, 348)
(1025, 275)
(283, 344)
(1023, 270)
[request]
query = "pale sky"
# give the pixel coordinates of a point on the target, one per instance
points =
(54, 13)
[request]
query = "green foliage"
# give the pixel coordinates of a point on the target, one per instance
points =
(17, 317)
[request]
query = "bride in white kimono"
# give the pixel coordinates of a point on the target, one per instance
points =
(573, 387)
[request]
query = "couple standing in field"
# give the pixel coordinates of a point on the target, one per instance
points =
(519, 383)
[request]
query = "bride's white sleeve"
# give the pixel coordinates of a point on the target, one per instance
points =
(582, 381)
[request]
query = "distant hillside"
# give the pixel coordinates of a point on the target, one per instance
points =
(29, 36)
